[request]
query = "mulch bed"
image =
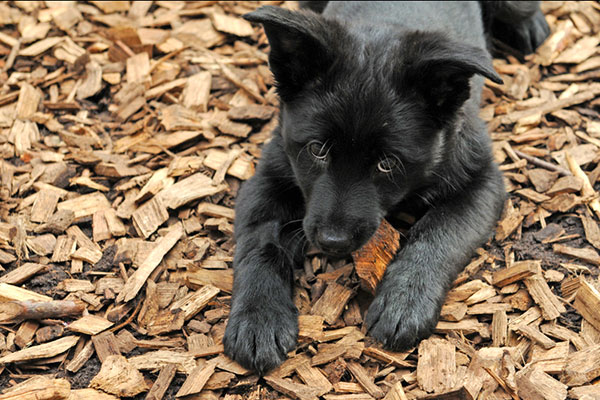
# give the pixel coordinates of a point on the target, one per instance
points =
(126, 130)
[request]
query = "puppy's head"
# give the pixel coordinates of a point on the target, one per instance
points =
(364, 115)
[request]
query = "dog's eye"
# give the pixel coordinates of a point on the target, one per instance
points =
(386, 165)
(318, 150)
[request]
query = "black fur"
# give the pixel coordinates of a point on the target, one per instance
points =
(520, 24)
(379, 114)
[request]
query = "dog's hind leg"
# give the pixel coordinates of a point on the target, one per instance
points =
(520, 24)
(315, 5)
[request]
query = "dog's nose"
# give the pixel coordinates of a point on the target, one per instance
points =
(333, 241)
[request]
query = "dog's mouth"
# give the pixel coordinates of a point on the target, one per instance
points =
(336, 255)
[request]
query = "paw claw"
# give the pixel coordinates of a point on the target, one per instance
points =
(399, 322)
(261, 340)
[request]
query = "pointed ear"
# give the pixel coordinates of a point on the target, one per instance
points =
(298, 51)
(440, 71)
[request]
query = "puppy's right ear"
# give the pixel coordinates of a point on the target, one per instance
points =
(298, 51)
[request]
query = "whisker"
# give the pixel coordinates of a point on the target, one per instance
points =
(445, 179)
(301, 150)
(298, 234)
(282, 227)
(425, 200)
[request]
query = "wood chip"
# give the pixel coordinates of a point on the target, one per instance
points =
(120, 120)
(93, 81)
(156, 359)
(396, 392)
(189, 189)
(25, 334)
(196, 380)
(39, 388)
(553, 360)
(196, 91)
(64, 248)
(147, 218)
(294, 390)
(535, 335)
(222, 279)
(327, 353)
(240, 168)
(22, 273)
(586, 254)
(195, 302)
(14, 293)
(542, 295)
(45, 350)
(499, 328)
(90, 325)
(331, 304)
(81, 357)
(536, 384)
(229, 24)
(313, 377)
(437, 366)
(90, 394)
(388, 357)
(516, 272)
(44, 205)
(160, 386)
(587, 302)
(457, 394)
(85, 206)
(589, 392)
(137, 280)
(582, 366)
(117, 376)
(361, 375)
(106, 345)
(373, 258)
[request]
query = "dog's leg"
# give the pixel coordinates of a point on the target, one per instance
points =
(409, 298)
(316, 6)
(263, 322)
(520, 24)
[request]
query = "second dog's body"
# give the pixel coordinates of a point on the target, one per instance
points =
(379, 114)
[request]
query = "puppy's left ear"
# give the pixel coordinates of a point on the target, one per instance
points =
(298, 46)
(440, 70)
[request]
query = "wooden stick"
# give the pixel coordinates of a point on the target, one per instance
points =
(501, 382)
(125, 48)
(543, 164)
(138, 307)
(16, 311)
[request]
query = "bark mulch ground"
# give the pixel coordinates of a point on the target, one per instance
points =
(126, 129)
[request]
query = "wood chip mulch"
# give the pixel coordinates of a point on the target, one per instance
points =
(126, 130)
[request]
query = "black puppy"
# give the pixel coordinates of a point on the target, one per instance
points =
(379, 114)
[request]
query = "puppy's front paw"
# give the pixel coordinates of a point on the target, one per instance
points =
(400, 319)
(260, 337)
